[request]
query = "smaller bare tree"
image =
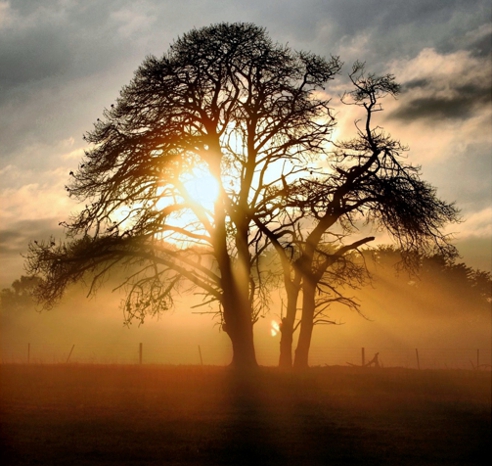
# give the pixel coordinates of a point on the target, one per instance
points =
(367, 182)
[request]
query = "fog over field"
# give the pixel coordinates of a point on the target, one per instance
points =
(445, 320)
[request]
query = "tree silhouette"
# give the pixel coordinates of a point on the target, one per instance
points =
(439, 287)
(467, 285)
(226, 100)
(19, 297)
(368, 182)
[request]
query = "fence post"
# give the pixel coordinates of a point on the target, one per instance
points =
(70, 354)
(418, 359)
(363, 357)
(200, 353)
(28, 353)
(140, 354)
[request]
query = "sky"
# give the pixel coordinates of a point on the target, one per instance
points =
(63, 61)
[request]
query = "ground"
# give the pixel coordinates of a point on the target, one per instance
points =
(154, 415)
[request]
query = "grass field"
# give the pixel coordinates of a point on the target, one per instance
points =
(157, 415)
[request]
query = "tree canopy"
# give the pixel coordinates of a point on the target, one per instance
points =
(224, 99)
(228, 104)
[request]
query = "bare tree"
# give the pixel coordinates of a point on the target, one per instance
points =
(226, 100)
(367, 182)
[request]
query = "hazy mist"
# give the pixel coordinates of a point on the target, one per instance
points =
(401, 313)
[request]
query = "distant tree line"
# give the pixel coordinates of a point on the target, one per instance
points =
(443, 277)
(19, 298)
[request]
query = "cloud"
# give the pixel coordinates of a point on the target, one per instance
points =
(478, 224)
(437, 87)
(5, 15)
(478, 41)
(36, 200)
(476, 251)
(461, 105)
(61, 62)
(56, 59)
(446, 113)
(470, 167)
(389, 30)
(14, 240)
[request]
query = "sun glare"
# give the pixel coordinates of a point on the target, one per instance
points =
(275, 328)
(201, 186)
(196, 187)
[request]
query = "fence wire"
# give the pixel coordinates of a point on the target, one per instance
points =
(267, 355)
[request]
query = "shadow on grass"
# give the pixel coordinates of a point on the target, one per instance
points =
(127, 415)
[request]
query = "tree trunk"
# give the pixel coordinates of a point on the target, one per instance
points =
(241, 335)
(236, 305)
(237, 314)
(286, 339)
(307, 324)
(239, 327)
(287, 326)
(243, 349)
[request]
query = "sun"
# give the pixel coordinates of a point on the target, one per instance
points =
(197, 186)
(275, 328)
(201, 186)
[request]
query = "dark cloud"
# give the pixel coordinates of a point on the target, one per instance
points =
(420, 83)
(14, 241)
(62, 62)
(482, 46)
(49, 53)
(396, 29)
(40, 44)
(450, 97)
(461, 105)
(15, 238)
(24, 59)
(52, 38)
